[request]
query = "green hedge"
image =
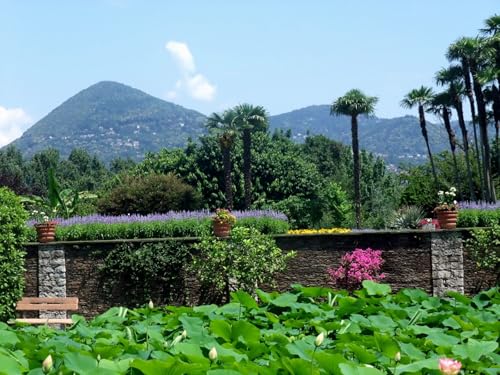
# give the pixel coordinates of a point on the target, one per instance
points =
(157, 229)
(12, 235)
(468, 218)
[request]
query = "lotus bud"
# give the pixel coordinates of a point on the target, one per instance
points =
(212, 354)
(151, 304)
(397, 356)
(449, 366)
(184, 334)
(47, 364)
(319, 339)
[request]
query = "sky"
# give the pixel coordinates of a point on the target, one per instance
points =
(211, 55)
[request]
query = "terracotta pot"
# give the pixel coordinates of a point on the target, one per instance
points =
(447, 219)
(46, 232)
(221, 229)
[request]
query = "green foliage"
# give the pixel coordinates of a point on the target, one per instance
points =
(408, 217)
(362, 335)
(484, 247)
(245, 260)
(151, 271)
(337, 209)
(12, 236)
(156, 229)
(153, 193)
(468, 218)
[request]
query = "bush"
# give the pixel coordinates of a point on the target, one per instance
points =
(357, 266)
(468, 218)
(152, 271)
(154, 193)
(12, 236)
(244, 261)
(484, 247)
(408, 217)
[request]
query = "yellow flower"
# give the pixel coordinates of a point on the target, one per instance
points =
(319, 231)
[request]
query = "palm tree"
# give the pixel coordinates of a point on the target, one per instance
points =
(355, 103)
(223, 125)
(462, 50)
(248, 119)
(422, 98)
(453, 77)
(440, 106)
(478, 61)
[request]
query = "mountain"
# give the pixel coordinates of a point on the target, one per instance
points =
(396, 139)
(113, 120)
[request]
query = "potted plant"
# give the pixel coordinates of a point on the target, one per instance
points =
(222, 222)
(447, 209)
(44, 225)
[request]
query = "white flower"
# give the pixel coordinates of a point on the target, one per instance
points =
(47, 364)
(455, 202)
(440, 192)
(45, 218)
(447, 193)
(397, 357)
(212, 354)
(319, 339)
(452, 189)
(151, 304)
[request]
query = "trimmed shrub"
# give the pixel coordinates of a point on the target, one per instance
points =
(12, 236)
(154, 193)
(468, 218)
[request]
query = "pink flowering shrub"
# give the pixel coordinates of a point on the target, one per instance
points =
(356, 266)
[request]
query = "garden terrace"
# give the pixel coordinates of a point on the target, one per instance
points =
(434, 261)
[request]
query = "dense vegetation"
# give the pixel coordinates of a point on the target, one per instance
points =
(310, 330)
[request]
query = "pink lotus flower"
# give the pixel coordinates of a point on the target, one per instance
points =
(449, 366)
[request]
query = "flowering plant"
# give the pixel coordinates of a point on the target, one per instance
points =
(223, 216)
(446, 200)
(42, 217)
(357, 266)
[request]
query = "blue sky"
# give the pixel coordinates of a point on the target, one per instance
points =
(210, 55)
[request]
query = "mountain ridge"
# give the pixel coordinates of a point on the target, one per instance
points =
(112, 120)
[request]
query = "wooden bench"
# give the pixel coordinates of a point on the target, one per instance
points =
(46, 304)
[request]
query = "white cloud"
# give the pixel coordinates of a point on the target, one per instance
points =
(199, 88)
(195, 84)
(13, 121)
(181, 53)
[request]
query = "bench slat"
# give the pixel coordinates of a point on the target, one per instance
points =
(45, 321)
(47, 303)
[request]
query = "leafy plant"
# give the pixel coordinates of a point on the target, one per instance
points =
(309, 330)
(151, 271)
(408, 217)
(357, 266)
(244, 261)
(484, 246)
(12, 236)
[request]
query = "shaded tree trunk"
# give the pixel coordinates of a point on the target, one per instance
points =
(465, 139)
(247, 166)
(423, 128)
(357, 170)
(483, 132)
(496, 116)
(453, 145)
(228, 180)
(470, 96)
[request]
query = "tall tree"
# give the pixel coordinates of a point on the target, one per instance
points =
(249, 119)
(355, 103)
(422, 98)
(224, 127)
(462, 50)
(440, 105)
(453, 77)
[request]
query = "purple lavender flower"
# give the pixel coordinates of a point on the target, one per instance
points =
(171, 215)
(481, 205)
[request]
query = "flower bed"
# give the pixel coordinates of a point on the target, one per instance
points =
(171, 224)
(319, 231)
(310, 330)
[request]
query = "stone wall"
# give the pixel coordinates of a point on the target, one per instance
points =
(433, 261)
